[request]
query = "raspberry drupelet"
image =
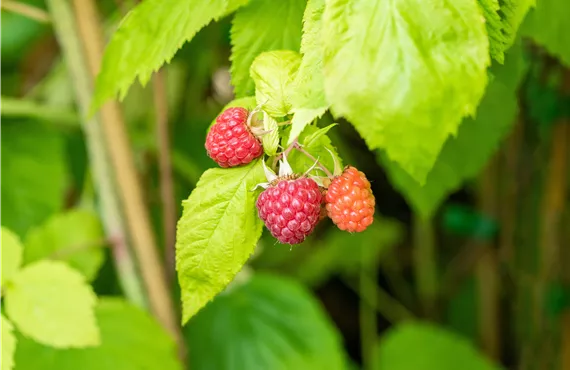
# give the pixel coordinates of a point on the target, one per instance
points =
(350, 202)
(290, 208)
(230, 142)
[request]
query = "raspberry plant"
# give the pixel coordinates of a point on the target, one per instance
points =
(430, 86)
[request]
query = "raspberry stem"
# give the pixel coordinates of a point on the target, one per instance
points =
(310, 156)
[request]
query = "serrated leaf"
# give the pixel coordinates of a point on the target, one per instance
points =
(262, 25)
(310, 89)
(392, 69)
(433, 348)
(268, 322)
(148, 36)
(52, 304)
(130, 340)
(273, 73)
(217, 233)
(547, 25)
(464, 156)
(317, 148)
(75, 237)
(33, 174)
(502, 22)
(11, 254)
(301, 118)
(270, 139)
(8, 344)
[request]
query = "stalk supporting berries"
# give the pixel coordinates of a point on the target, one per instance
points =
(230, 141)
(290, 208)
(350, 202)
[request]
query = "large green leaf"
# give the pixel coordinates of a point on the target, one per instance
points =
(11, 254)
(268, 322)
(309, 101)
(392, 68)
(464, 156)
(33, 174)
(547, 24)
(503, 19)
(149, 36)
(51, 303)
(217, 233)
(130, 340)
(422, 346)
(262, 25)
(75, 237)
(273, 73)
(8, 344)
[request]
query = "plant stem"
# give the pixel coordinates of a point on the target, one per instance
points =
(487, 268)
(26, 10)
(25, 108)
(386, 305)
(66, 32)
(367, 315)
(165, 169)
(128, 184)
(308, 155)
(425, 264)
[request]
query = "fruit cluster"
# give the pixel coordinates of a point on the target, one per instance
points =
(291, 204)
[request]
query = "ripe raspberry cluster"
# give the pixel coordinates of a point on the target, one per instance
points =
(292, 204)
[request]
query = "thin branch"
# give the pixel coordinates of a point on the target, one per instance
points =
(165, 169)
(308, 155)
(425, 264)
(26, 10)
(66, 32)
(368, 322)
(128, 184)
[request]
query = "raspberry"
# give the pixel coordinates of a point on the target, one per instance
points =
(290, 208)
(350, 202)
(230, 142)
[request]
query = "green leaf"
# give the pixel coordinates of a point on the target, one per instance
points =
(273, 73)
(342, 252)
(271, 139)
(268, 322)
(75, 237)
(310, 89)
(502, 22)
(392, 69)
(149, 36)
(8, 343)
(547, 25)
(433, 348)
(301, 119)
(317, 148)
(464, 156)
(11, 254)
(217, 233)
(33, 174)
(52, 304)
(130, 340)
(312, 139)
(262, 25)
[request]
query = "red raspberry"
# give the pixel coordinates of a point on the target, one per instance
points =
(230, 142)
(350, 202)
(290, 208)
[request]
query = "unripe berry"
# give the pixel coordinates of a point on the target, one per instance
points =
(350, 202)
(230, 142)
(290, 208)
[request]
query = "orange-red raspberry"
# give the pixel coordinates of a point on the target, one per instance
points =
(350, 202)
(230, 142)
(290, 209)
